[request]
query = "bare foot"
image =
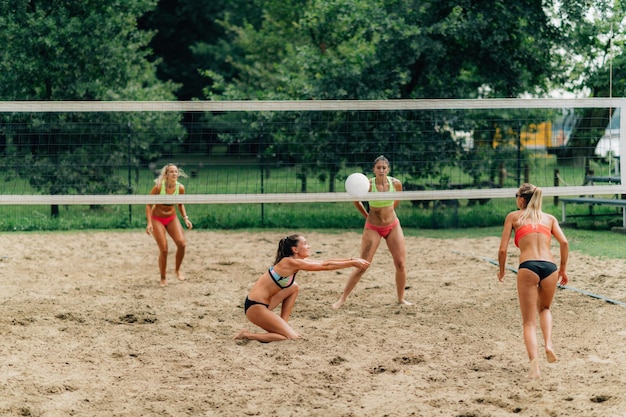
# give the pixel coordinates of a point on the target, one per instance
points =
(163, 282)
(534, 373)
(551, 356)
(405, 302)
(338, 304)
(243, 334)
(180, 276)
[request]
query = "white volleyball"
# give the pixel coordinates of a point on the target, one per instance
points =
(357, 185)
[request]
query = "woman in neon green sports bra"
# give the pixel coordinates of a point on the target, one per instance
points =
(381, 222)
(162, 219)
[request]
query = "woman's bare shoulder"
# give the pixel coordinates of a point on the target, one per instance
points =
(550, 218)
(156, 188)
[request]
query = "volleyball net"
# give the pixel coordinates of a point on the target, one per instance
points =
(256, 152)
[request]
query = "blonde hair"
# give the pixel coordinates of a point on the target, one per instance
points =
(163, 174)
(532, 196)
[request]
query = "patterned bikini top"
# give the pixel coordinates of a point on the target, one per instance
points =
(282, 282)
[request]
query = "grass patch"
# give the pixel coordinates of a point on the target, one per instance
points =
(237, 176)
(598, 243)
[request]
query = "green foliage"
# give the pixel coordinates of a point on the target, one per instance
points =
(600, 243)
(188, 37)
(593, 62)
(438, 215)
(79, 50)
(595, 33)
(86, 49)
(294, 49)
(387, 49)
(374, 49)
(445, 217)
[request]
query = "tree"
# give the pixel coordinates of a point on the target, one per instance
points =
(189, 37)
(78, 50)
(387, 49)
(347, 49)
(594, 63)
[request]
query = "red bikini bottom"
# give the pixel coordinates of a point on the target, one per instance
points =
(164, 220)
(382, 230)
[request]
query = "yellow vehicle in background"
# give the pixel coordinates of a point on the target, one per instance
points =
(550, 136)
(542, 136)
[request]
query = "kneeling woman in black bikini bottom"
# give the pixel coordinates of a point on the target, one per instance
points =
(249, 303)
(278, 286)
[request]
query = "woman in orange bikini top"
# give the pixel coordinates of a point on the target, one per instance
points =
(538, 274)
(531, 228)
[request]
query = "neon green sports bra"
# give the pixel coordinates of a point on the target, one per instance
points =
(164, 192)
(382, 203)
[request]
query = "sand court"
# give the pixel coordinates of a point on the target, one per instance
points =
(87, 331)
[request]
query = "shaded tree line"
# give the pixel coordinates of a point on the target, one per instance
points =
(288, 49)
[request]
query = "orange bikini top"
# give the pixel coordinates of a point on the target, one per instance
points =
(531, 228)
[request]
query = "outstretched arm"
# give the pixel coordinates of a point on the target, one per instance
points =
(296, 264)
